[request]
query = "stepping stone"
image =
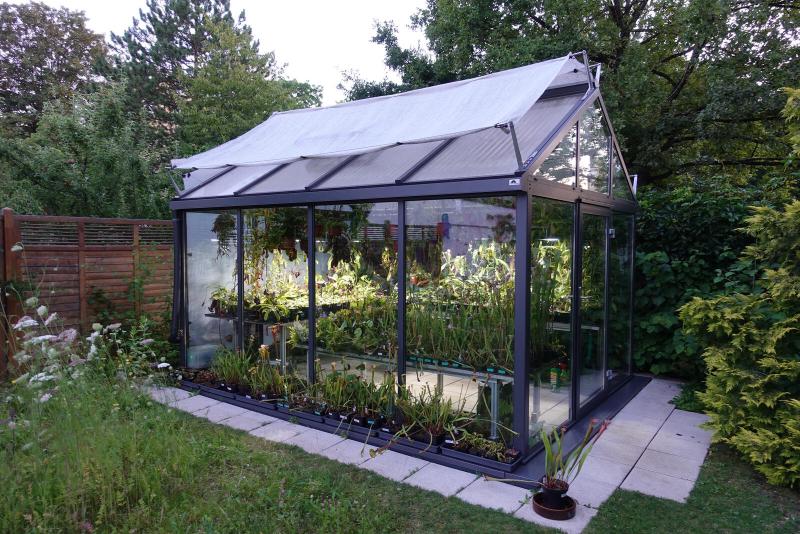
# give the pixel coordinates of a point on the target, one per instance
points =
(348, 451)
(603, 470)
(219, 412)
(495, 495)
(314, 441)
(669, 464)
(194, 403)
(167, 395)
(682, 425)
(658, 485)
(623, 453)
(441, 479)
(686, 447)
(583, 514)
(394, 465)
(590, 492)
(629, 432)
(278, 431)
(248, 421)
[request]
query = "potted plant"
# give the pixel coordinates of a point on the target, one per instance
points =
(561, 469)
(231, 367)
(476, 448)
(429, 416)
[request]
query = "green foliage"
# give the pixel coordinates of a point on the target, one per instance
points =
(46, 54)
(232, 367)
(692, 86)
(752, 342)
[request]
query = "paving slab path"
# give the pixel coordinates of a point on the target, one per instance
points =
(650, 447)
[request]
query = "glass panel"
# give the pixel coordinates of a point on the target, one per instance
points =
(232, 181)
(620, 185)
(593, 164)
(619, 317)
(380, 167)
(211, 291)
(550, 353)
(356, 289)
(559, 166)
(296, 176)
(460, 305)
(276, 285)
(593, 286)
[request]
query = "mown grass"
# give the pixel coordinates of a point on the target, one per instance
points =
(104, 458)
(728, 497)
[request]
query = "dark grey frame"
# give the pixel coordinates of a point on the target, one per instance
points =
(522, 184)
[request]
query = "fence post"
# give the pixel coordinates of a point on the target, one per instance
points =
(10, 271)
(138, 288)
(83, 299)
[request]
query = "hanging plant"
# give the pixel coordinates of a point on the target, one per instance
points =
(225, 229)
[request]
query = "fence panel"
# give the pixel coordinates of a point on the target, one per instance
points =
(85, 269)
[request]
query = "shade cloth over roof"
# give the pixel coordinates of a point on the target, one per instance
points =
(439, 112)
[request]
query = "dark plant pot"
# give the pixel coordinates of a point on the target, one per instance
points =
(506, 467)
(553, 498)
(566, 511)
(307, 415)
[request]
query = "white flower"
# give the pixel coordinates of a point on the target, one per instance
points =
(31, 302)
(42, 339)
(97, 327)
(42, 377)
(163, 365)
(92, 337)
(17, 247)
(12, 425)
(42, 311)
(92, 351)
(115, 326)
(46, 397)
(147, 341)
(67, 336)
(25, 322)
(22, 357)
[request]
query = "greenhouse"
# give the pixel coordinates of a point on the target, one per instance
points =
(446, 272)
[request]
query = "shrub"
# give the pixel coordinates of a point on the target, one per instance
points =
(752, 350)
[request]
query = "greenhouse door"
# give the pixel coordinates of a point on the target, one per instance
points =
(592, 292)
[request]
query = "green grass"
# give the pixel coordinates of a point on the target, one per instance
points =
(104, 455)
(112, 458)
(728, 497)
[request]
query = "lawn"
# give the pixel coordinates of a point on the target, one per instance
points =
(101, 457)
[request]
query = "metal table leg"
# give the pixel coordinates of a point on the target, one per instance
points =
(494, 406)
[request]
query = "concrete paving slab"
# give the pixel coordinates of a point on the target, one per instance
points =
(278, 431)
(603, 470)
(684, 446)
(248, 421)
(631, 432)
(219, 412)
(166, 395)
(194, 403)
(394, 465)
(348, 451)
(658, 485)
(495, 495)
(669, 464)
(648, 408)
(590, 492)
(441, 479)
(620, 452)
(583, 515)
(314, 441)
(683, 423)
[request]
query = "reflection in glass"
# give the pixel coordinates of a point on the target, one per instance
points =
(356, 288)
(619, 274)
(620, 186)
(593, 160)
(593, 285)
(276, 285)
(211, 298)
(460, 303)
(550, 354)
(559, 166)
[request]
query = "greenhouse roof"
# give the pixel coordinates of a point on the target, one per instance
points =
(489, 126)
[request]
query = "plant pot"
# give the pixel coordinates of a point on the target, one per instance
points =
(553, 498)
(557, 514)
(506, 467)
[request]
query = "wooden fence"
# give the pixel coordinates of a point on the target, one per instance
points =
(84, 269)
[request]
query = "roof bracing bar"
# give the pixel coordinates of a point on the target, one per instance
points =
(424, 161)
(226, 170)
(260, 179)
(331, 172)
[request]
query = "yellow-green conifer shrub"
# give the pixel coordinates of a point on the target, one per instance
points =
(752, 350)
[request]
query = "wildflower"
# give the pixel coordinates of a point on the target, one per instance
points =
(76, 361)
(163, 365)
(26, 322)
(97, 327)
(46, 397)
(41, 311)
(50, 319)
(42, 339)
(67, 336)
(22, 357)
(41, 377)
(147, 341)
(31, 302)
(17, 247)
(113, 327)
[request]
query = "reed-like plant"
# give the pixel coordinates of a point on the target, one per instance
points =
(561, 468)
(231, 366)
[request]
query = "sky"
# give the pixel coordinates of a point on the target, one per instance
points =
(316, 39)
